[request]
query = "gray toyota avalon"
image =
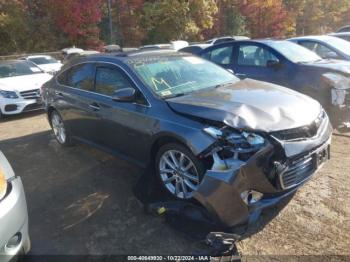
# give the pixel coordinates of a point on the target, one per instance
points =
(234, 147)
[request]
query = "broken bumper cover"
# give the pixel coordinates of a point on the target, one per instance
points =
(220, 192)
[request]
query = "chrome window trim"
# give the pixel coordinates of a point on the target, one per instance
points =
(95, 93)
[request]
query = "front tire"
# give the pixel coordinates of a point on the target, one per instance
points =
(61, 134)
(179, 171)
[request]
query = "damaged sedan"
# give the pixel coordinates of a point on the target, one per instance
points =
(293, 66)
(231, 146)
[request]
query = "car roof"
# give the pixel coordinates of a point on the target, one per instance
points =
(37, 56)
(12, 61)
(340, 34)
(343, 27)
(131, 55)
(313, 37)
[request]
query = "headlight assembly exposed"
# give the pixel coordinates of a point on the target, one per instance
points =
(337, 81)
(232, 148)
(340, 85)
(8, 94)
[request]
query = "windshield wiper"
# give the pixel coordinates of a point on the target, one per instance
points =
(174, 95)
(224, 84)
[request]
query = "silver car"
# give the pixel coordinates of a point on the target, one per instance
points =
(14, 237)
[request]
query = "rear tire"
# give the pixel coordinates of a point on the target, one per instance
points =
(60, 132)
(178, 170)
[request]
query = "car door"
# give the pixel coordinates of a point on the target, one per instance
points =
(123, 125)
(75, 100)
(257, 61)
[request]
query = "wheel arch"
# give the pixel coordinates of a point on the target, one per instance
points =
(195, 144)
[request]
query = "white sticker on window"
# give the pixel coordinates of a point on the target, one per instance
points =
(35, 69)
(193, 60)
(166, 93)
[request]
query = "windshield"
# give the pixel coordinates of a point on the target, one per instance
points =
(173, 76)
(43, 60)
(294, 52)
(339, 44)
(10, 69)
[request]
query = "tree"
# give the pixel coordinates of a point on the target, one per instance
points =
(127, 16)
(228, 20)
(13, 30)
(265, 18)
(78, 19)
(167, 20)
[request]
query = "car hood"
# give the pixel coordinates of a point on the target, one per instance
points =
(24, 83)
(341, 66)
(250, 105)
(50, 67)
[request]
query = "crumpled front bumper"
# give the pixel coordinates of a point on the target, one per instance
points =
(220, 191)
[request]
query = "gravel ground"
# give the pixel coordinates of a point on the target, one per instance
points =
(80, 202)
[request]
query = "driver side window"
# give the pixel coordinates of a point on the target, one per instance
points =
(253, 55)
(109, 80)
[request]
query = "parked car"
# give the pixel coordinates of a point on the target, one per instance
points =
(45, 62)
(223, 39)
(327, 47)
(14, 236)
(194, 49)
(344, 29)
(69, 52)
(235, 146)
(345, 35)
(71, 56)
(20, 83)
(290, 65)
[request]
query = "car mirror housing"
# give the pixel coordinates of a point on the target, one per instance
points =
(124, 95)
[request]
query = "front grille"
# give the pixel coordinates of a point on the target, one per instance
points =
(301, 132)
(31, 94)
(297, 172)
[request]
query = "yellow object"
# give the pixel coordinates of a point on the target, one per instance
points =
(3, 184)
(161, 210)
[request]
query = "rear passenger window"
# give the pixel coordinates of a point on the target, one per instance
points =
(81, 77)
(253, 55)
(109, 80)
(221, 56)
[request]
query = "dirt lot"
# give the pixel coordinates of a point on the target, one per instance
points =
(80, 201)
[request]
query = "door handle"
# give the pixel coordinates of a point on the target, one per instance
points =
(94, 106)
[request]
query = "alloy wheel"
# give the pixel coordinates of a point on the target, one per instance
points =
(58, 128)
(178, 174)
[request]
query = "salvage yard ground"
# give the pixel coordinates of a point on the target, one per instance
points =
(80, 201)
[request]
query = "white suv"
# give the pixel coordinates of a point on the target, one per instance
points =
(20, 83)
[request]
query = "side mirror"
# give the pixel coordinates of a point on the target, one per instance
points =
(274, 64)
(331, 55)
(124, 95)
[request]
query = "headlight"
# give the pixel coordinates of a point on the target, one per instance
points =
(232, 148)
(235, 137)
(3, 184)
(8, 94)
(337, 81)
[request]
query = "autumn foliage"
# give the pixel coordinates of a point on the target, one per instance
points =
(46, 25)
